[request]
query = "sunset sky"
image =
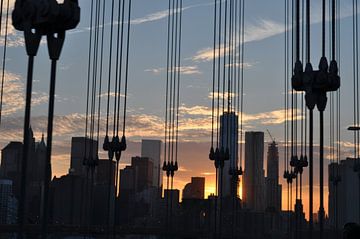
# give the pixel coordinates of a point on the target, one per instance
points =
(264, 80)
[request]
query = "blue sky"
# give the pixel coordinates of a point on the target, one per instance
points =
(264, 77)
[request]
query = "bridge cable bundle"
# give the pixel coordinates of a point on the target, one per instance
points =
(51, 22)
(315, 84)
(334, 114)
(227, 103)
(93, 103)
(288, 129)
(114, 145)
(172, 104)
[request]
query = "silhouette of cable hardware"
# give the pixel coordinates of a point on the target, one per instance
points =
(36, 19)
(299, 163)
(170, 168)
(315, 84)
(289, 176)
(115, 146)
(219, 156)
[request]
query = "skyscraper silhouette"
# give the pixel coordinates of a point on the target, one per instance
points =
(273, 189)
(229, 139)
(152, 149)
(254, 181)
(344, 197)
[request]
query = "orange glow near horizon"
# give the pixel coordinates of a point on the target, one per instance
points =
(180, 182)
(210, 189)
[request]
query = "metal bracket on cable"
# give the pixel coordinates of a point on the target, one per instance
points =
(316, 84)
(219, 156)
(115, 147)
(289, 176)
(170, 168)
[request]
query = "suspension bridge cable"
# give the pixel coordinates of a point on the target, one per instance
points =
(106, 145)
(4, 53)
(166, 159)
(242, 65)
(91, 161)
(89, 76)
(100, 73)
(110, 71)
(213, 79)
(172, 110)
(117, 93)
(179, 81)
(338, 113)
(101, 70)
(118, 63)
(219, 79)
(84, 189)
(308, 66)
(127, 67)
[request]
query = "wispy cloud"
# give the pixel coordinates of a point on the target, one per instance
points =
(185, 70)
(262, 29)
(13, 95)
(163, 14)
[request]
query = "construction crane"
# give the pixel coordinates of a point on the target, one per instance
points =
(271, 137)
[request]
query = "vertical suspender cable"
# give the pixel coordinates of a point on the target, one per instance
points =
(218, 120)
(101, 72)
(118, 63)
(321, 210)
(311, 113)
(127, 67)
(179, 82)
(106, 140)
(242, 65)
(91, 161)
(223, 114)
(171, 95)
(174, 74)
(110, 68)
(166, 159)
(85, 190)
(4, 54)
(212, 150)
(338, 113)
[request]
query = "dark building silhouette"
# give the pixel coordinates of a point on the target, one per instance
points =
(195, 189)
(343, 194)
(11, 169)
(8, 203)
(82, 196)
(68, 197)
(137, 193)
(73, 201)
(254, 180)
(143, 176)
(78, 147)
(152, 149)
(273, 189)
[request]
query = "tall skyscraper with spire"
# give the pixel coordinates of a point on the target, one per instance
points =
(254, 180)
(273, 189)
